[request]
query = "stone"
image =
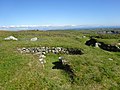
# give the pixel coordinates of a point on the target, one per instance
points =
(60, 59)
(42, 62)
(64, 62)
(27, 51)
(11, 38)
(96, 44)
(118, 44)
(38, 53)
(83, 36)
(44, 52)
(34, 39)
(23, 49)
(110, 59)
(42, 56)
(41, 59)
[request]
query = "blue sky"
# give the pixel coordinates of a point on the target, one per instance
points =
(59, 12)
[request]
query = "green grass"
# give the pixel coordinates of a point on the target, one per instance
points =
(93, 70)
(109, 41)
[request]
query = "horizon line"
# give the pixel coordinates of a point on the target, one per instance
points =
(54, 25)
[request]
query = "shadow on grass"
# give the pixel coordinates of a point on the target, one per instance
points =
(66, 68)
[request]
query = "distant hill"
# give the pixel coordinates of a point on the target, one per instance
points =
(54, 27)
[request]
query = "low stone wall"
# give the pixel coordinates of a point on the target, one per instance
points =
(42, 51)
(55, 50)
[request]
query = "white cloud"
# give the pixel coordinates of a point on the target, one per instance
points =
(47, 27)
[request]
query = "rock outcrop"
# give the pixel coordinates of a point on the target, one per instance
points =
(102, 45)
(109, 47)
(91, 42)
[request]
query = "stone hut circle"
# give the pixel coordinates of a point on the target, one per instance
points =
(62, 64)
(41, 52)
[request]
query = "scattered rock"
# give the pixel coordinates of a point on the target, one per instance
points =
(110, 59)
(42, 56)
(42, 59)
(60, 59)
(83, 36)
(38, 53)
(97, 44)
(11, 38)
(118, 44)
(34, 39)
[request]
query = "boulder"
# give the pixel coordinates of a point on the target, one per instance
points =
(97, 44)
(34, 39)
(11, 38)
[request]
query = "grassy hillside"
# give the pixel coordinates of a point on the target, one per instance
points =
(96, 69)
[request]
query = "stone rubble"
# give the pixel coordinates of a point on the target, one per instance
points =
(54, 50)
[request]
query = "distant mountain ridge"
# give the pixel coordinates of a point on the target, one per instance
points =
(54, 27)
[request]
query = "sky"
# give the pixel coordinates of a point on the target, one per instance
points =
(59, 12)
